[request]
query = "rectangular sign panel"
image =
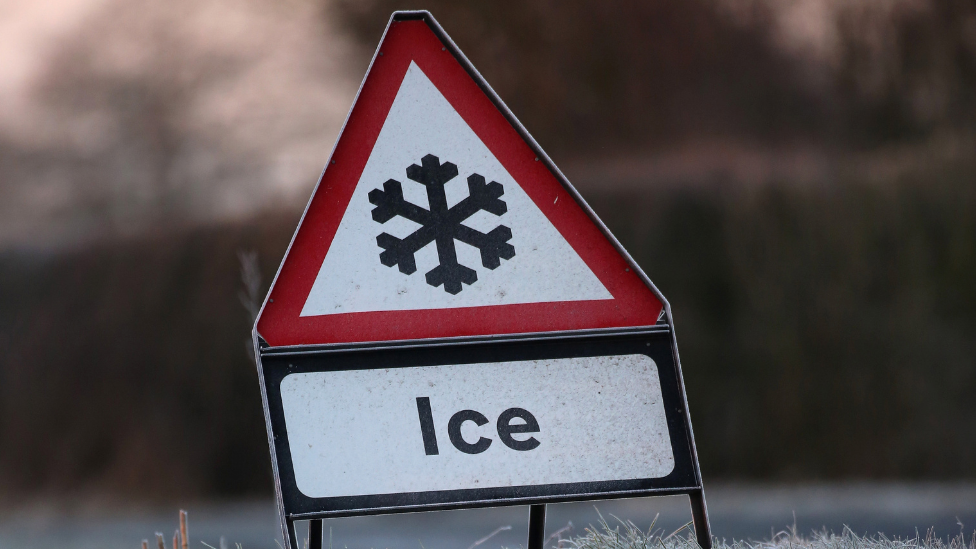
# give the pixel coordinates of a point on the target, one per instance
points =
(402, 428)
(482, 425)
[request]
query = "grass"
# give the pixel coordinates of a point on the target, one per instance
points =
(626, 535)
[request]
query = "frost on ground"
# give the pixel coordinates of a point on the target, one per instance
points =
(618, 534)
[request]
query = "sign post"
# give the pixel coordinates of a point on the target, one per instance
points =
(453, 327)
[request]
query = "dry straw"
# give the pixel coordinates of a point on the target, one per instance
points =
(185, 541)
(180, 539)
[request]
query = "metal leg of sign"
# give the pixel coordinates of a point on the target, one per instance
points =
(292, 541)
(315, 534)
(537, 526)
(700, 515)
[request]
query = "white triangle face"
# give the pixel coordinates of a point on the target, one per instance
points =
(421, 122)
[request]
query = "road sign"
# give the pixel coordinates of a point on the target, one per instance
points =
(452, 326)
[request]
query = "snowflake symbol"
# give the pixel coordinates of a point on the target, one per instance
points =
(442, 224)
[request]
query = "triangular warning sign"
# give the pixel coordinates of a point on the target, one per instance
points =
(438, 216)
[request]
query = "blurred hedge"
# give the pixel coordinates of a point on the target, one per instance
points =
(825, 332)
(827, 328)
(125, 365)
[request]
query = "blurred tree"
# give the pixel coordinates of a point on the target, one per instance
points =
(611, 78)
(907, 68)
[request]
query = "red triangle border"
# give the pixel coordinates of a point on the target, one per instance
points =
(279, 323)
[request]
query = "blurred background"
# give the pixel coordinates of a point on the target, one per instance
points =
(798, 177)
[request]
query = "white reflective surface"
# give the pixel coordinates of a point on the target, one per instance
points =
(359, 432)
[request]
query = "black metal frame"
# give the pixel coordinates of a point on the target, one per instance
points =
(665, 325)
(656, 342)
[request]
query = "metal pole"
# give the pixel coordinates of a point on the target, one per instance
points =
(537, 526)
(291, 537)
(315, 534)
(700, 515)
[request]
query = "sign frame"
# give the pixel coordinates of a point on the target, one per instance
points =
(678, 415)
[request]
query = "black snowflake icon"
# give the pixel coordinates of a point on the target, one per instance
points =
(442, 224)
